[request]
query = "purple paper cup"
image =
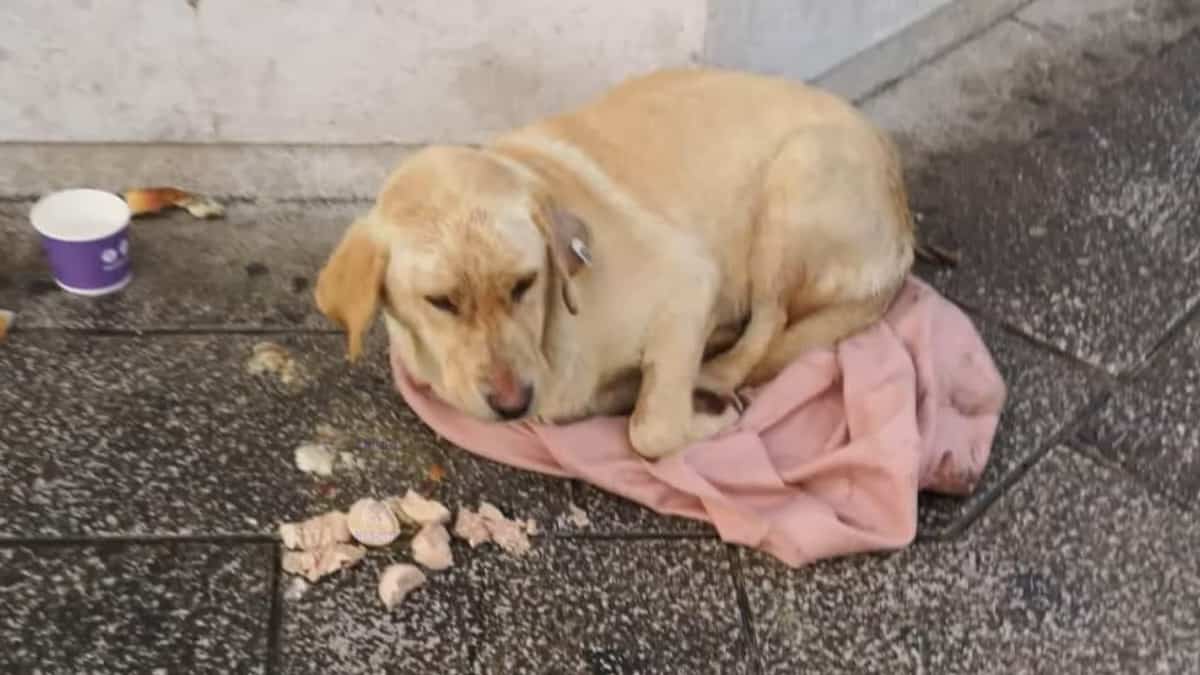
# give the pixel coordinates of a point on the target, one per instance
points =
(85, 237)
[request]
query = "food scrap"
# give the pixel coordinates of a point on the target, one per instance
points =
(372, 523)
(470, 526)
(321, 562)
(420, 510)
(147, 200)
(6, 320)
(437, 473)
(315, 458)
(270, 357)
(397, 581)
(490, 524)
(578, 517)
(431, 547)
(317, 532)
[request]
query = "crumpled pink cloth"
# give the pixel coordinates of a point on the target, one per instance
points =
(828, 457)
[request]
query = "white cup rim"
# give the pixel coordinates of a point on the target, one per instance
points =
(79, 215)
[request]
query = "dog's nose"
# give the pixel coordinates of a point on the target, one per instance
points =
(512, 403)
(507, 395)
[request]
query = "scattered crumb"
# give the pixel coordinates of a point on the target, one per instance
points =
(470, 526)
(397, 581)
(317, 532)
(420, 510)
(296, 589)
(6, 320)
(148, 200)
(372, 523)
(270, 357)
(351, 460)
(315, 458)
(437, 473)
(490, 524)
(431, 547)
(508, 534)
(313, 565)
(578, 517)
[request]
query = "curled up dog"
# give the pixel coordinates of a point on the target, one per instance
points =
(688, 233)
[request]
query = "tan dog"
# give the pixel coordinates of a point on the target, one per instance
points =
(585, 264)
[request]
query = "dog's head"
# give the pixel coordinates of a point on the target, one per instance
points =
(468, 254)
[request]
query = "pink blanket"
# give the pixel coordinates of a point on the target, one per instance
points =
(827, 459)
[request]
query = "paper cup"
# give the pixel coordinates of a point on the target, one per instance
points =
(85, 237)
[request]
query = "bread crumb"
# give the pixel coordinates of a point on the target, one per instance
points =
(470, 526)
(490, 524)
(270, 357)
(431, 547)
(508, 534)
(317, 532)
(296, 589)
(578, 517)
(321, 562)
(315, 458)
(397, 581)
(6, 320)
(420, 510)
(372, 523)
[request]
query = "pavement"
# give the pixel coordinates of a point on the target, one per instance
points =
(145, 472)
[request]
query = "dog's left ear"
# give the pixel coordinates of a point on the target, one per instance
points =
(570, 244)
(348, 287)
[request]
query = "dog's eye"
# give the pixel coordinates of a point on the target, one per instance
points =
(521, 286)
(443, 303)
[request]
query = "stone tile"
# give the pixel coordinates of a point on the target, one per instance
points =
(1045, 393)
(569, 606)
(188, 273)
(1087, 238)
(1150, 426)
(168, 435)
(130, 607)
(1078, 570)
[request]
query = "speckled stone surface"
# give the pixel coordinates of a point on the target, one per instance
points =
(1077, 570)
(169, 435)
(1152, 426)
(1045, 392)
(254, 268)
(128, 607)
(601, 606)
(1087, 238)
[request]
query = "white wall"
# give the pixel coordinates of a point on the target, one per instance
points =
(328, 72)
(319, 71)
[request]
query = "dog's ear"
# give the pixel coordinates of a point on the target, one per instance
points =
(349, 286)
(569, 241)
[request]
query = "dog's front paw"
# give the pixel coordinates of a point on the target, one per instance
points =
(655, 439)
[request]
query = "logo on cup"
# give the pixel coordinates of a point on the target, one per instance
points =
(114, 258)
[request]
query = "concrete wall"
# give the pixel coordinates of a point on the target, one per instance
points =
(804, 39)
(381, 71)
(319, 71)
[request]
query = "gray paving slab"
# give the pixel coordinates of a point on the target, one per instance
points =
(1046, 392)
(254, 268)
(166, 434)
(132, 607)
(603, 606)
(1077, 570)
(1149, 427)
(1087, 238)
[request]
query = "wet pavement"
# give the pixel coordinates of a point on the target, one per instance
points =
(145, 471)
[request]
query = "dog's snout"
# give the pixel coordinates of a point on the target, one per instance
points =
(507, 396)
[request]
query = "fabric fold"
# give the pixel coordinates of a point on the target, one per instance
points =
(826, 461)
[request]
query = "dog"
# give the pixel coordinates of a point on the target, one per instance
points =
(686, 234)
